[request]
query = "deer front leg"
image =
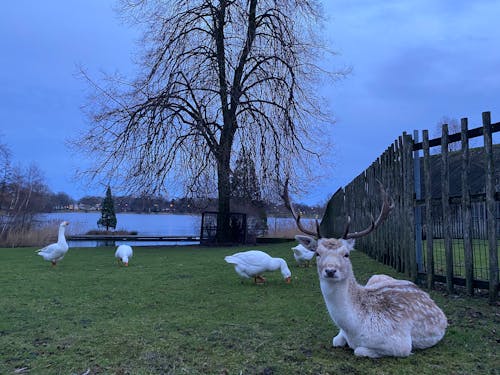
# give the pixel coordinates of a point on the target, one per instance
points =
(361, 351)
(340, 339)
(399, 347)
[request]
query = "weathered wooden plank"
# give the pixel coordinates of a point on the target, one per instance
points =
(367, 206)
(490, 208)
(409, 193)
(418, 208)
(386, 177)
(332, 221)
(428, 212)
(393, 235)
(466, 211)
(402, 219)
(382, 239)
(471, 133)
(400, 207)
(445, 193)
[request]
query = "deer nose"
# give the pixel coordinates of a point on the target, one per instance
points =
(329, 272)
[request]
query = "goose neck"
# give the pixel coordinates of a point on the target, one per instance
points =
(61, 238)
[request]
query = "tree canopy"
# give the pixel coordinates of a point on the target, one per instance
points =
(216, 77)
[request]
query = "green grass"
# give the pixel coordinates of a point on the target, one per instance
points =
(184, 311)
(480, 256)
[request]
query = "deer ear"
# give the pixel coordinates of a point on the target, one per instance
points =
(308, 242)
(349, 244)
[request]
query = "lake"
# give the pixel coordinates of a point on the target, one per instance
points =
(143, 224)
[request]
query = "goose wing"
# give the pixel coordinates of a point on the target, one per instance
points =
(53, 251)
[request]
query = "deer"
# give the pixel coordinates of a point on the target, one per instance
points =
(385, 317)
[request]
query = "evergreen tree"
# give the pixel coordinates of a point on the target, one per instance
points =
(108, 217)
(246, 189)
(244, 184)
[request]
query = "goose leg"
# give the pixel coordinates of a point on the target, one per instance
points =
(260, 279)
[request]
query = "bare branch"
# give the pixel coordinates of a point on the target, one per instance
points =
(296, 216)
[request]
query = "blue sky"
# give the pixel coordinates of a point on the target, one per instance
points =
(412, 63)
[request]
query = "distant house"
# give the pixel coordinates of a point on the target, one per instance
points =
(88, 207)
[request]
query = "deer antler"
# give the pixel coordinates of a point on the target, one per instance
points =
(288, 204)
(387, 206)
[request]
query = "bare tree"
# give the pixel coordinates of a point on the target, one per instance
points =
(453, 127)
(5, 170)
(24, 195)
(216, 76)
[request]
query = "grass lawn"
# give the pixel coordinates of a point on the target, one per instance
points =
(181, 310)
(480, 255)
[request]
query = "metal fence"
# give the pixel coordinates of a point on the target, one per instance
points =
(446, 222)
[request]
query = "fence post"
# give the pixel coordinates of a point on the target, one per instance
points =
(395, 248)
(445, 196)
(466, 211)
(429, 233)
(418, 208)
(409, 205)
(490, 207)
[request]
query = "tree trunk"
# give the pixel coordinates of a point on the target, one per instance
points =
(224, 189)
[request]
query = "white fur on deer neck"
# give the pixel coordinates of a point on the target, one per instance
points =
(337, 280)
(386, 317)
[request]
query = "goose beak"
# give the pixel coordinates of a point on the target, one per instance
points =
(288, 280)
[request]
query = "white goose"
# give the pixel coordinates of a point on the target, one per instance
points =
(254, 262)
(302, 255)
(56, 251)
(123, 253)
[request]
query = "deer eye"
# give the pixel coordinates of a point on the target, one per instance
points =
(346, 255)
(317, 254)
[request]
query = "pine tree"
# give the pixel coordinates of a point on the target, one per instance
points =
(245, 189)
(244, 183)
(108, 216)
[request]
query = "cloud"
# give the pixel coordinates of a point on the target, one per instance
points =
(418, 52)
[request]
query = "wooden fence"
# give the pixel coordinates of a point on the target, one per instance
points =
(446, 222)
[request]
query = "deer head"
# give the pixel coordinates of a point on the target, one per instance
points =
(333, 263)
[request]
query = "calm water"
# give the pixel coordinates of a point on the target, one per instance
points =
(144, 224)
